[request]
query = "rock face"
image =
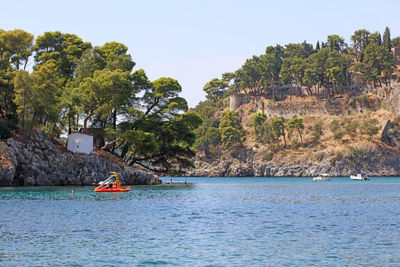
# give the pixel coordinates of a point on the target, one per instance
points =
(38, 161)
(372, 163)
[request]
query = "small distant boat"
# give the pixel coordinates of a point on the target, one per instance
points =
(359, 177)
(111, 186)
(322, 177)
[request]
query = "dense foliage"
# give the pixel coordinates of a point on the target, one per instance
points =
(326, 67)
(145, 122)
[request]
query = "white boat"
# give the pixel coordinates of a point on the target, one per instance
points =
(358, 177)
(322, 177)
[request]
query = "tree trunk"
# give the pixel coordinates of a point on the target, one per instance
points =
(88, 116)
(69, 125)
(115, 119)
(301, 138)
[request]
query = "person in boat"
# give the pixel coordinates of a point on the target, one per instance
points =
(109, 185)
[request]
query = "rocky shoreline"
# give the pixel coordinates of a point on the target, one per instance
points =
(372, 163)
(39, 162)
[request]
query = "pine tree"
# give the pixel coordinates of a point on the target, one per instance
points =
(387, 43)
(317, 47)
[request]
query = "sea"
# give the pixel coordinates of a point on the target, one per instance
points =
(206, 222)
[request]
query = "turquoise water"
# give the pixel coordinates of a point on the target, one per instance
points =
(207, 222)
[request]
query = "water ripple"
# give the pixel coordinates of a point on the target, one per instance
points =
(208, 222)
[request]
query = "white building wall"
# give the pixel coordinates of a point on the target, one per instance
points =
(80, 143)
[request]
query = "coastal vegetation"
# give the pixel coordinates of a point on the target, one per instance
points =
(328, 65)
(293, 79)
(73, 84)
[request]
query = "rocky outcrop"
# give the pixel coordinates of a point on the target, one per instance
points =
(373, 163)
(38, 161)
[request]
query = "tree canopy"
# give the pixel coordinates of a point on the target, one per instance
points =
(73, 83)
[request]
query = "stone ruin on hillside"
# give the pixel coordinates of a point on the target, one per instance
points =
(396, 55)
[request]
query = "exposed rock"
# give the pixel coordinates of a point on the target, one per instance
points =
(385, 136)
(372, 163)
(38, 161)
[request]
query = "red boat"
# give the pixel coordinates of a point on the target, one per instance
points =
(110, 186)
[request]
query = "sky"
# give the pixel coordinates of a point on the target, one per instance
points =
(196, 41)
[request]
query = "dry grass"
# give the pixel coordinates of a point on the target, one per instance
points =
(327, 144)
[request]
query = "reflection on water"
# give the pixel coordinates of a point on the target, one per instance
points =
(209, 221)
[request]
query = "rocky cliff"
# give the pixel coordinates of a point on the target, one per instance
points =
(40, 161)
(375, 162)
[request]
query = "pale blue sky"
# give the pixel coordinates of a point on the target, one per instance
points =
(195, 41)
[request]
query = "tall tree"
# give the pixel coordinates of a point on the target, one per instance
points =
(215, 89)
(295, 123)
(387, 42)
(100, 94)
(64, 48)
(360, 42)
(38, 96)
(15, 50)
(335, 42)
(278, 127)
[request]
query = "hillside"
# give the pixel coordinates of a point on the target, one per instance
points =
(340, 142)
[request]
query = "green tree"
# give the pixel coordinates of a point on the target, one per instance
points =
(63, 49)
(317, 131)
(257, 122)
(16, 47)
(15, 50)
(100, 94)
(23, 95)
(396, 42)
(209, 140)
(215, 89)
(231, 131)
(387, 42)
(377, 65)
(278, 128)
(295, 123)
(231, 138)
(335, 42)
(114, 55)
(360, 42)
(38, 96)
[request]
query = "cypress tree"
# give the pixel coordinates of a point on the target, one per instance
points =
(317, 47)
(387, 43)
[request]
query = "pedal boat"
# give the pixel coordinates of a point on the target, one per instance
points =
(116, 187)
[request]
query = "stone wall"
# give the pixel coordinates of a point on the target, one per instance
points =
(290, 109)
(396, 55)
(236, 100)
(391, 96)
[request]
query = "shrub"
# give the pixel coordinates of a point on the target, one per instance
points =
(370, 127)
(372, 130)
(268, 156)
(355, 155)
(351, 128)
(338, 134)
(393, 131)
(335, 126)
(336, 158)
(294, 144)
(317, 131)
